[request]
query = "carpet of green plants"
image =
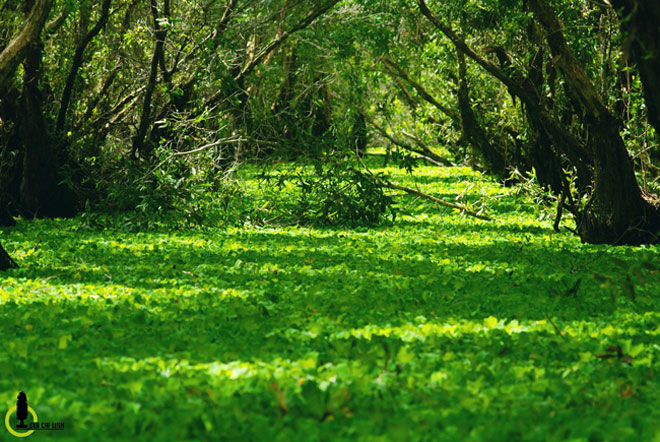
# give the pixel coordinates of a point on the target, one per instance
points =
(434, 326)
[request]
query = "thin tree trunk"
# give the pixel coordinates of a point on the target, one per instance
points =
(494, 160)
(77, 64)
(182, 102)
(139, 147)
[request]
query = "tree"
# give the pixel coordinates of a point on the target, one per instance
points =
(30, 178)
(615, 212)
(145, 117)
(639, 24)
(12, 54)
(77, 63)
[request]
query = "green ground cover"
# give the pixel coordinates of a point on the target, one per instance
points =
(433, 327)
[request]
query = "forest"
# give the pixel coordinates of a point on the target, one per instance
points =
(402, 220)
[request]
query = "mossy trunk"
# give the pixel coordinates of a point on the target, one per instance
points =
(11, 156)
(617, 212)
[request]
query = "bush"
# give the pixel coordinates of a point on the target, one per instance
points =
(339, 194)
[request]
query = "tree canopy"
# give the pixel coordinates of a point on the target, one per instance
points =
(107, 104)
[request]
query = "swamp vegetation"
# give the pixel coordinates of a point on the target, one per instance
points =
(332, 220)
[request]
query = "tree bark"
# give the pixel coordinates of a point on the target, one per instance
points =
(77, 64)
(616, 212)
(11, 150)
(540, 152)
(494, 160)
(11, 56)
(139, 147)
(41, 190)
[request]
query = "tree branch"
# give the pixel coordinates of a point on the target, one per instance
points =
(77, 63)
(11, 56)
(395, 69)
(438, 201)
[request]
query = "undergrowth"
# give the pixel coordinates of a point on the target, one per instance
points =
(434, 326)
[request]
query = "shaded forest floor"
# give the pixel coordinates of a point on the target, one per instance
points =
(433, 327)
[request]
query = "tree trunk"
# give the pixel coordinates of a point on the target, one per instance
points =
(616, 212)
(540, 152)
(140, 148)
(10, 57)
(11, 151)
(182, 102)
(641, 33)
(5, 260)
(493, 159)
(563, 141)
(41, 190)
(77, 64)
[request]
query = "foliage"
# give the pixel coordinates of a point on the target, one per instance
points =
(211, 289)
(436, 327)
(334, 194)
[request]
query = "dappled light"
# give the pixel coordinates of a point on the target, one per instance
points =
(347, 220)
(254, 325)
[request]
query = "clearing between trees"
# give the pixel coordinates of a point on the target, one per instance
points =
(435, 326)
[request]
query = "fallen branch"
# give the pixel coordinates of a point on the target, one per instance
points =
(417, 158)
(438, 201)
(410, 191)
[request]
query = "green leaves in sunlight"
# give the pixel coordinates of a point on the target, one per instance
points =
(433, 327)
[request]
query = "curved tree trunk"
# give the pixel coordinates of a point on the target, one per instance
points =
(11, 56)
(493, 159)
(616, 213)
(77, 64)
